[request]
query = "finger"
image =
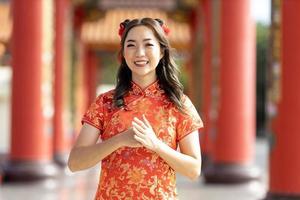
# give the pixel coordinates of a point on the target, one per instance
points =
(146, 121)
(141, 135)
(141, 123)
(139, 139)
(138, 127)
(136, 131)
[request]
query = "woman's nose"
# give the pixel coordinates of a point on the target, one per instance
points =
(140, 51)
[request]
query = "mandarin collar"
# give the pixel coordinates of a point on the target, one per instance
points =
(151, 90)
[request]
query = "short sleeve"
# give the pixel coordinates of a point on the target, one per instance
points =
(189, 121)
(94, 115)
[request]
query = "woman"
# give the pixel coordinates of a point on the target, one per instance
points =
(141, 122)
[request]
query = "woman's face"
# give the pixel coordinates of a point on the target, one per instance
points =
(142, 53)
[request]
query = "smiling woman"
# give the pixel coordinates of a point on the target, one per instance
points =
(141, 122)
(142, 53)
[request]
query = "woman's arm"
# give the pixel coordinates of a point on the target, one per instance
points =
(87, 152)
(188, 160)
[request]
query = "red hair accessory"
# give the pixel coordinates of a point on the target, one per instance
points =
(121, 30)
(166, 29)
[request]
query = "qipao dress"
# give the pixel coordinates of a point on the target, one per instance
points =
(139, 173)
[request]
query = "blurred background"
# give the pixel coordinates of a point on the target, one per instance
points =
(239, 63)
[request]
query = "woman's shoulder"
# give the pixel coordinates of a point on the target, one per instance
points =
(106, 97)
(187, 103)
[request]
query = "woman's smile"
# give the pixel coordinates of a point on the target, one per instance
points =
(141, 63)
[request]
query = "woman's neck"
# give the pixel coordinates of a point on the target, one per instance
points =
(144, 82)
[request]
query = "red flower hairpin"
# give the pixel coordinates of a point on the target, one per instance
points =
(121, 30)
(166, 29)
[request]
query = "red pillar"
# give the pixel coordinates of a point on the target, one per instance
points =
(196, 71)
(60, 140)
(191, 65)
(90, 78)
(79, 95)
(206, 142)
(30, 153)
(284, 154)
(234, 143)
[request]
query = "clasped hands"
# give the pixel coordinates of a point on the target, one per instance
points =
(141, 134)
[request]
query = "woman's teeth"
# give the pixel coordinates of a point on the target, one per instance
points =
(141, 62)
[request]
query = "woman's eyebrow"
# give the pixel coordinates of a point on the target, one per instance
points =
(144, 40)
(130, 41)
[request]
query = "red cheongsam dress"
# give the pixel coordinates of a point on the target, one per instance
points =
(139, 173)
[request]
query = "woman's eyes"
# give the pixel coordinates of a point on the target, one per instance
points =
(148, 45)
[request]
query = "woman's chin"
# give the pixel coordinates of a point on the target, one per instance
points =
(141, 70)
(143, 73)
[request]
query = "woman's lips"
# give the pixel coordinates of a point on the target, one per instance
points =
(141, 63)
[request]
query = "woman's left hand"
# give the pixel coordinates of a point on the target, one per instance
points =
(145, 134)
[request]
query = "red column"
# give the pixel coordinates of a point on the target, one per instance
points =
(80, 90)
(284, 153)
(30, 154)
(193, 25)
(196, 71)
(234, 143)
(79, 94)
(90, 75)
(60, 139)
(206, 142)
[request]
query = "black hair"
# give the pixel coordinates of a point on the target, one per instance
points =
(167, 71)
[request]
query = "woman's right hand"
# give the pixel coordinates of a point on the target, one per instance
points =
(127, 139)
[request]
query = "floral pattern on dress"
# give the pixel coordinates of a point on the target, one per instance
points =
(139, 173)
